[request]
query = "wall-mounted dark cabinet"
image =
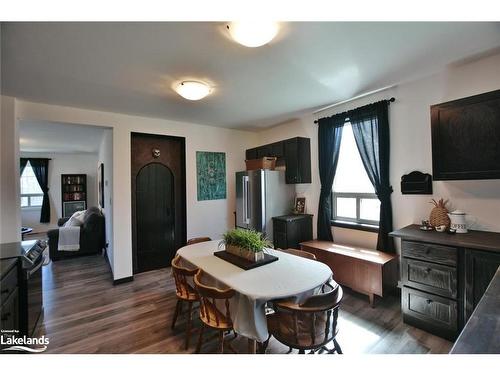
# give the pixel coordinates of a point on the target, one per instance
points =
(293, 153)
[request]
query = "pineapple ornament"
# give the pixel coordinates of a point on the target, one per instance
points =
(439, 214)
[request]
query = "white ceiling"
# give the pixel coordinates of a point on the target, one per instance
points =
(130, 67)
(38, 136)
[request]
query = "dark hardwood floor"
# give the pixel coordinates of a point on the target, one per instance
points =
(85, 313)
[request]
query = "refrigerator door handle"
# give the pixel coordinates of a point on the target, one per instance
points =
(246, 218)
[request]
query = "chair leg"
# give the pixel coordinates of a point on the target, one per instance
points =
(176, 313)
(263, 346)
(221, 342)
(301, 351)
(200, 338)
(189, 322)
(337, 346)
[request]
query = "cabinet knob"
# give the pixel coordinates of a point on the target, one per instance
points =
(428, 270)
(427, 251)
(429, 301)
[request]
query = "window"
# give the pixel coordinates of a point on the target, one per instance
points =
(353, 196)
(31, 193)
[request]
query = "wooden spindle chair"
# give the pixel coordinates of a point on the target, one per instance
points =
(192, 241)
(299, 253)
(307, 326)
(185, 293)
(210, 315)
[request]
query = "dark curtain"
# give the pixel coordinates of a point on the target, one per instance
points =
(329, 137)
(41, 171)
(24, 161)
(370, 125)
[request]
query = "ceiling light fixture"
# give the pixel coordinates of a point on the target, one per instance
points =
(253, 33)
(193, 90)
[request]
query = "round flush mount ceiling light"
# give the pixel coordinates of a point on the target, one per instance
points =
(193, 90)
(253, 33)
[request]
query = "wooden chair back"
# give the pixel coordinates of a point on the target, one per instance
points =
(209, 295)
(311, 324)
(181, 276)
(192, 241)
(299, 253)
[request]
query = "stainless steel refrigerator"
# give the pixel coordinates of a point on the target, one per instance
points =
(261, 195)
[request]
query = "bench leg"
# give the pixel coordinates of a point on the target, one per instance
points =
(371, 296)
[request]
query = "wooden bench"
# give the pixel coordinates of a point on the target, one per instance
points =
(365, 271)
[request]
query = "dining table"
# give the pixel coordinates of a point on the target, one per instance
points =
(290, 276)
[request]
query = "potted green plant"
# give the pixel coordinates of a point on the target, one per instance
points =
(245, 243)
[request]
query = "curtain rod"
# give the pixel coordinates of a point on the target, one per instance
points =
(389, 101)
(24, 157)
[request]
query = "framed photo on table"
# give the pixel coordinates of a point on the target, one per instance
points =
(300, 205)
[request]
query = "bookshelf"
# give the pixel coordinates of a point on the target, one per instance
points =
(74, 193)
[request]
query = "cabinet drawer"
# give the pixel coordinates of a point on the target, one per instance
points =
(430, 252)
(435, 314)
(9, 312)
(8, 283)
(435, 278)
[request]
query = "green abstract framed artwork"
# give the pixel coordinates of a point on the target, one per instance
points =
(211, 175)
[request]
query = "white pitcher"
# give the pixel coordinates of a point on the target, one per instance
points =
(457, 218)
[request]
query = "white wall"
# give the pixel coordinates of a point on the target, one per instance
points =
(411, 148)
(210, 218)
(106, 157)
(61, 163)
(10, 216)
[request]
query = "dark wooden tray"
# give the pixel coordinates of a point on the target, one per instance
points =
(244, 263)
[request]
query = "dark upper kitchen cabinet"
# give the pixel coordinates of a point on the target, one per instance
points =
(264, 151)
(251, 153)
(277, 149)
(294, 153)
(298, 160)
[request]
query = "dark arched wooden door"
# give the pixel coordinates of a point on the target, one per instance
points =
(158, 199)
(155, 215)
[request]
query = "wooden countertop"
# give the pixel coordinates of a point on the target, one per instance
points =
(6, 265)
(372, 256)
(475, 239)
(481, 333)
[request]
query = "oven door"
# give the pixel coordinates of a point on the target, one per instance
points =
(34, 294)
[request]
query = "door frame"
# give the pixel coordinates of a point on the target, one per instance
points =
(182, 141)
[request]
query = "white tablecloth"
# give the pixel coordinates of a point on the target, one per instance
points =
(290, 276)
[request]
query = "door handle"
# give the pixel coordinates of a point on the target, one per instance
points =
(246, 218)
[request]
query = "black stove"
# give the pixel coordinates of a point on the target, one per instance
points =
(28, 251)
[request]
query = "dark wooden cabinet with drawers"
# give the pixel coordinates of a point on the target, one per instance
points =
(429, 278)
(290, 230)
(293, 153)
(9, 296)
(444, 276)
